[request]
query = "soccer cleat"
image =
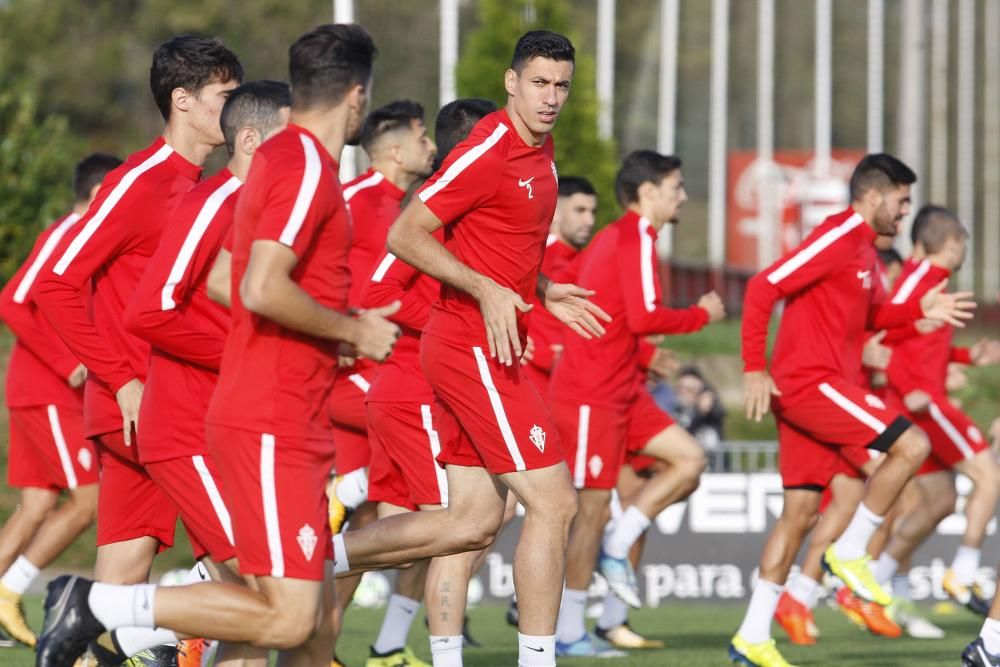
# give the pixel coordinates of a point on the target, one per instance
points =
(69, 623)
(623, 636)
(512, 614)
(794, 617)
(106, 650)
(763, 654)
(336, 662)
(190, 652)
(158, 656)
(338, 513)
(620, 575)
(587, 647)
(5, 641)
(976, 655)
(856, 575)
(868, 615)
(905, 613)
(12, 619)
(969, 596)
(401, 657)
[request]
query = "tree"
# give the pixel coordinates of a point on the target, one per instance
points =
(485, 57)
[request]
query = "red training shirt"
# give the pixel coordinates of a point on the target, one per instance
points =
(560, 264)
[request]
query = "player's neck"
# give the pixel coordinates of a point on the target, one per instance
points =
(394, 173)
(239, 166)
(327, 125)
(865, 212)
(187, 141)
(522, 128)
(81, 207)
(644, 212)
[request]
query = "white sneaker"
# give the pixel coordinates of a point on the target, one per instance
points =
(921, 628)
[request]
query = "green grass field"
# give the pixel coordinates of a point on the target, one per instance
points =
(696, 635)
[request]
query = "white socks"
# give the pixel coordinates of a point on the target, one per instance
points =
(396, 624)
(352, 489)
(966, 564)
(991, 635)
(340, 564)
(628, 528)
(854, 541)
(615, 612)
(446, 651)
(133, 640)
(804, 589)
(536, 650)
(885, 568)
(123, 606)
(756, 626)
(20, 575)
(570, 623)
(901, 586)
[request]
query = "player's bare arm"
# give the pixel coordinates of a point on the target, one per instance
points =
(218, 284)
(758, 387)
(268, 290)
(572, 306)
(411, 239)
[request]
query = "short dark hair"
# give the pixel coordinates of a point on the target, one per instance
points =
(880, 171)
(191, 63)
(642, 166)
(255, 104)
(541, 44)
(90, 171)
(933, 225)
(575, 185)
(890, 256)
(397, 115)
(326, 62)
(454, 122)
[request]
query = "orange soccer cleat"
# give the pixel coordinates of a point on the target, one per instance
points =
(795, 618)
(190, 651)
(867, 614)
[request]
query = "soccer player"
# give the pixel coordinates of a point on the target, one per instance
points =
(599, 400)
(402, 416)
(496, 193)
(190, 78)
(827, 283)
(917, 374)
(267, 429)
(47, 451)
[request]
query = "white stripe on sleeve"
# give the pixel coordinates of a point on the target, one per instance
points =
(809, 252)
(383, 267)
(49, 247)
(906, 289)
(369, 182)
(307, 190)
(646, 266)
(462, 163)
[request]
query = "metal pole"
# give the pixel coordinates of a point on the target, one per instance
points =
(876, 73)
(824, 86)
(938, 182)
(911, 113)
(343, 12)
(717, 132)
(767, 219)
(965, 170)
(991, 154)
(449, 51)
(667, 117)
(605, 67)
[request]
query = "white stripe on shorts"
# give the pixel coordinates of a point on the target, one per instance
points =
(214, 496)
(435, 442)
(270, 498)
(949, 429)
(359, 381)
(853, 409)
(61, 447)
(582, 438)
(498, 411)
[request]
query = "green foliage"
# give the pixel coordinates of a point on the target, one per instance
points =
(486, 55)
(36, 166)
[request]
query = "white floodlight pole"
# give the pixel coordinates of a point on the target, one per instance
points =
(343, 12)
(876, 74)
(938, 181)
(824, 87)
(717, 135)
(605, 67)
(666, 141)
(767, 208)
(911, 113)
(449, 51)
(991, 153)
(966, 149)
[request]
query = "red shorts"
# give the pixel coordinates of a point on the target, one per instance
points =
(539, 378)
(191, 482)
(406, 439)
(598, 438)
(276, 490)
(48, 451)
(349, 421)
(834, 415)
(953, 436)
(506, 425)
(129, 503)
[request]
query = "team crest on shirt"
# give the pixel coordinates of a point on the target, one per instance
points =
(85, 459)
(874, 401)
(307, 541)
(537, 437)
(595, 465)
(974, 434)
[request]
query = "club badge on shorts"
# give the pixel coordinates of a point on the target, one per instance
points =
(307, 541)
(537, 436)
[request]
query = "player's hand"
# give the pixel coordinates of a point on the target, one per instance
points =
(995, 432)
(758, 387)
(376, 335)
(712, 303)
(571, 306)
(876, 355)
(346, 360)
(926, 326)
(917, 401)
(664, 363)
(529, 351)
(950, 308)
(985, 353)
(78, 376)
(129, 397)
(499, 307)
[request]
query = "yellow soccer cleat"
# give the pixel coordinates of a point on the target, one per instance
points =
(338, 513)
(623, 636)
(969, 596)
(12, 617)
(403, 657)
(764, 654)
(856, 575)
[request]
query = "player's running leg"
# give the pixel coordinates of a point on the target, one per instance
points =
(984, 650)
(446, 595)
